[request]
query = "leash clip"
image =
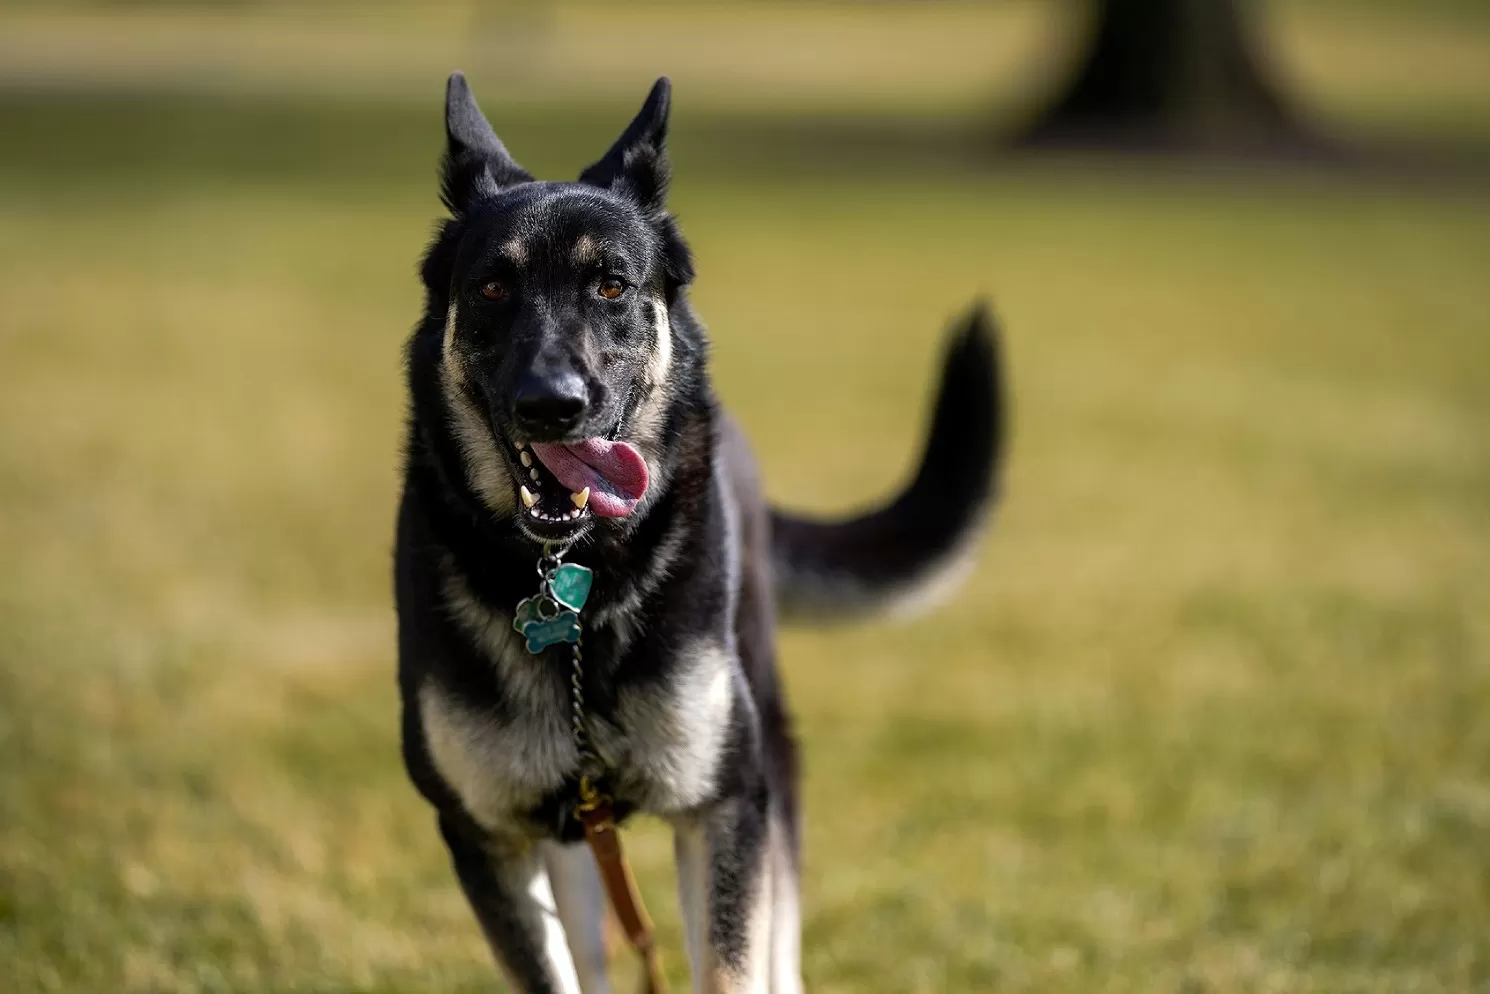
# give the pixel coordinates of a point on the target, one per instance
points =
(590, 799)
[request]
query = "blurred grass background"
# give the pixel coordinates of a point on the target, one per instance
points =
(1209, 717)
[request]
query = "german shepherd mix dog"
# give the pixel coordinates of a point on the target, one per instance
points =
(561, 410)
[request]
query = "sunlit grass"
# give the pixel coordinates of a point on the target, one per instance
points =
(1208, 716)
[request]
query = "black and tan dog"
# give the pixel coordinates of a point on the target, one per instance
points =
(560, 403)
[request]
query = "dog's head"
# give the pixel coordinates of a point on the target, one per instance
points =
(557, 339)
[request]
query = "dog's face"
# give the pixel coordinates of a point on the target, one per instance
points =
(557, 338)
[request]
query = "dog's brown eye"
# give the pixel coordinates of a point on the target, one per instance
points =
(494, 290)
(611, 288)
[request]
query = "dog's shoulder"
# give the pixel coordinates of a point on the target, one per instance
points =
(666, 739)
(492, 717)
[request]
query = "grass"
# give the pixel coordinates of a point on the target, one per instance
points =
(1209, 717)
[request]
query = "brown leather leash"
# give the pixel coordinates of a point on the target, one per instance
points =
(604, 838)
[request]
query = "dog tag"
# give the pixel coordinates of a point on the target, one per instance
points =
(527, 610)
(542, 634)
(570, 585)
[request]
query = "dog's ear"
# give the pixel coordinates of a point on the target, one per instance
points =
(636, 165)
(476, 161)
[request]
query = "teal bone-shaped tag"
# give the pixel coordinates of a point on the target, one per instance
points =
(570, 585)
(542, 633)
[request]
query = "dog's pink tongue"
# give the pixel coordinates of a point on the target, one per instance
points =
(615, 472)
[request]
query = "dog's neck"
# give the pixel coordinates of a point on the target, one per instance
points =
(497, 560)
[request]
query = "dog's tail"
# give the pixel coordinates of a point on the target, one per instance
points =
(902, 555)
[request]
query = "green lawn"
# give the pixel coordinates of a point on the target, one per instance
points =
(1211, 715)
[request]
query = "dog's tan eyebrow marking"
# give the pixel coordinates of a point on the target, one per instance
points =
(586, 249)
(515, 251)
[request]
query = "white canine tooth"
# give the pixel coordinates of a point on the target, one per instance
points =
(534, 513)
(534, 474)
(518, 446)
(580, 499)
(526, 457)
(528, 499)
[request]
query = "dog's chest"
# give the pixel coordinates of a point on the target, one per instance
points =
(661, 740)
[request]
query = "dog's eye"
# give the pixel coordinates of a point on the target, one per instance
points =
(494, 290)
(611, 288)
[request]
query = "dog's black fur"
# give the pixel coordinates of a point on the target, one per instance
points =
(680, 682)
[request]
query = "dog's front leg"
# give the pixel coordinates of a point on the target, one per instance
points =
(508, 887)
(724, 889)
(579, 897)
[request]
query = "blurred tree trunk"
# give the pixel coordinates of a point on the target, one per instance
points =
(1169, 73)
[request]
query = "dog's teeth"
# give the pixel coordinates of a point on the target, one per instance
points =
(534, 474)
(580, 499)
(528, 499)
(518, 446)
(526, 457)
(534, 512)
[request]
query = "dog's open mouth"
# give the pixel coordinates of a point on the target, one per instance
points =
(564, 484)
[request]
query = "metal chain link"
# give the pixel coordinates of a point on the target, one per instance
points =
(589, 757)
(591, 764)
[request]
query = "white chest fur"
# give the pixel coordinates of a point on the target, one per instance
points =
(668, 737)
(500, 765)
(663, 742)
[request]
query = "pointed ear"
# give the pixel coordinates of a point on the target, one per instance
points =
(476, 161)
(636, 165)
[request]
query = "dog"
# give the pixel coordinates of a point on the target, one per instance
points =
(561, 417)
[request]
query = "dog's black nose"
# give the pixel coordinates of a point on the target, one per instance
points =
(549, 404)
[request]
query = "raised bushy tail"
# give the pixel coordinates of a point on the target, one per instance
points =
(901, 555)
